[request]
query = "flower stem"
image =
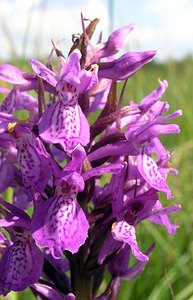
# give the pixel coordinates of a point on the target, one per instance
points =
(82, 283)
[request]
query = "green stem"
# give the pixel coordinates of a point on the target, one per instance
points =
(82, 284)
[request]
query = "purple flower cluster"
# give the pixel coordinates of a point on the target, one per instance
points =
(79, 190)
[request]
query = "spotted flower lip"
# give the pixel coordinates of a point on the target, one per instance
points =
(64, 225)
(21, 266)
(22, 262)
(124, 232)
(150, 172)
(65, 125)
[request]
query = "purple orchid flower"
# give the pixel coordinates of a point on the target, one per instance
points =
(31, 155)
(63, 122)
(22, 262)
(130, 211)
(59, 223)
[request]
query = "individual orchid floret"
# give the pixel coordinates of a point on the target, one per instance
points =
(64, 122)
(32, 157)
(146, 127)
(64, 125)
(71, 81)
(124, 232)
(22, 262)
(59, 223)
(150, 172)
(129, 212)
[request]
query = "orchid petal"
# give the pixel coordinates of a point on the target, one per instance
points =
(42, 71)
(109, 247)
(125, 66)
(12, 74)
(20, 266)
(138, 268)
(32, 156)
(124, 232)
(47, 291)
(65, 125)
(159, 216)
(6, 175)
(150, 172)
(71, 68)
(59, 224)
(111, 168)
(117, 183)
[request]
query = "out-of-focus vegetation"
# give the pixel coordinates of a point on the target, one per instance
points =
(168, 275)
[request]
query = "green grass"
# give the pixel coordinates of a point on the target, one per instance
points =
(169, 271)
